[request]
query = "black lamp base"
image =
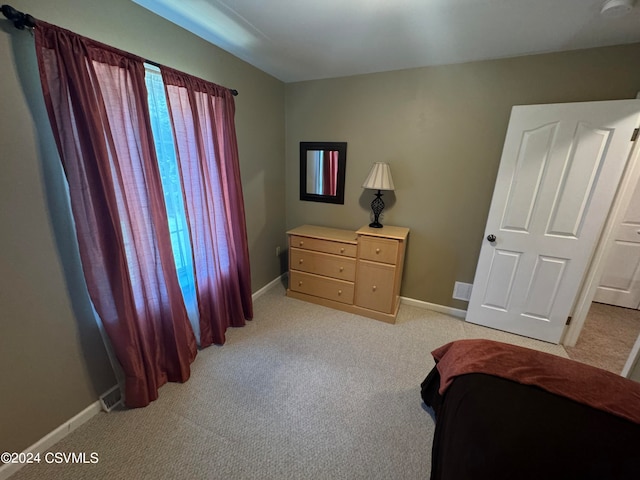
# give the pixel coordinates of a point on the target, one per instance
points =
(377, 205)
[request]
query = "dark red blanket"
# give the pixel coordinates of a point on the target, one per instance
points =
(561, 376)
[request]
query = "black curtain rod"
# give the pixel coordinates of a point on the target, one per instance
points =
(20, 20)
(24, 20)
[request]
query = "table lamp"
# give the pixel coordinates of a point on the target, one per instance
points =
(379, 179)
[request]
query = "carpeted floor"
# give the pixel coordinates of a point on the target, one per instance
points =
(607, 337)
(301, 392)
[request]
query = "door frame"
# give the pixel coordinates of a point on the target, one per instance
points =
(632, 361)
(630, 178)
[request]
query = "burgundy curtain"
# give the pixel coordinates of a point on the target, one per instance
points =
(202, 116)
(330, 172)
(96, 100)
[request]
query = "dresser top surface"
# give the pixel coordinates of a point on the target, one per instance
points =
(349, 236)
(388, 231)
(325, 233)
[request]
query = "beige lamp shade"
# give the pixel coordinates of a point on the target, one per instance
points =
(379, 177)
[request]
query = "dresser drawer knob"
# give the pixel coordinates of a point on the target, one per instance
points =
(339, 292)
(301, 243)
(377, 250)
(374, 288)
(300, 283)
(342, 250)
(301, 261)
(342, 269)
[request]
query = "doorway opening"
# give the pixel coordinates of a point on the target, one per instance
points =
(607, 337)
(585, 306)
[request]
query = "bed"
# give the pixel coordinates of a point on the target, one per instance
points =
(508, 412)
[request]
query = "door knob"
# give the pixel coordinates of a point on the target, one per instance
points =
(491, 238)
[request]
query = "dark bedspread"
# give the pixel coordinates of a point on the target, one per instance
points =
(580, 382)
(488, 427)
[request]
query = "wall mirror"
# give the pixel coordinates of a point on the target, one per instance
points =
(322, 171)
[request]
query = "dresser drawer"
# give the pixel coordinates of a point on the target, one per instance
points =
(324, 287)
(375, 282)
(354, 271)
(325, 264)
(378, 249)
(326, 246)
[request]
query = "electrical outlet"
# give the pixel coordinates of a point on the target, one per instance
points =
(277, 251)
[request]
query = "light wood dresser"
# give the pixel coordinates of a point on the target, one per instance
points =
(355, 271)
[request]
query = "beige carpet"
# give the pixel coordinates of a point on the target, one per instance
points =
(607, 337)
(301, 392)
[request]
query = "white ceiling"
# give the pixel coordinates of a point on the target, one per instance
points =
(297, 40)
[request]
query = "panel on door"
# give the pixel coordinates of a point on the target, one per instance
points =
(558, 174)
(530, 167)
(502, 274)
(542, 291)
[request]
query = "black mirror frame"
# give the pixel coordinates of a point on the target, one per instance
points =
(341, 148)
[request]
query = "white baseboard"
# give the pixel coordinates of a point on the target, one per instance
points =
(46, 442)
(272, 284)
(455, 312)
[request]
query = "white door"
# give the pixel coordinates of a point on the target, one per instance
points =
(559, 171)
(620, 282)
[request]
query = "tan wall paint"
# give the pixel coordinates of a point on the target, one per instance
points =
(52, 360)
(441, 129)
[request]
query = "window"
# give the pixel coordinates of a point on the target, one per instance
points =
(166, 153)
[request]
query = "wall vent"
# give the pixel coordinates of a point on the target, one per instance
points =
(111, 399)
(462, 291)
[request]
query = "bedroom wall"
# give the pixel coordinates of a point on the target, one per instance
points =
(52, 360)
(441, 129)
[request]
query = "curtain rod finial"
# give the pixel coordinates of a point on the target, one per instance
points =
(20, 20)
